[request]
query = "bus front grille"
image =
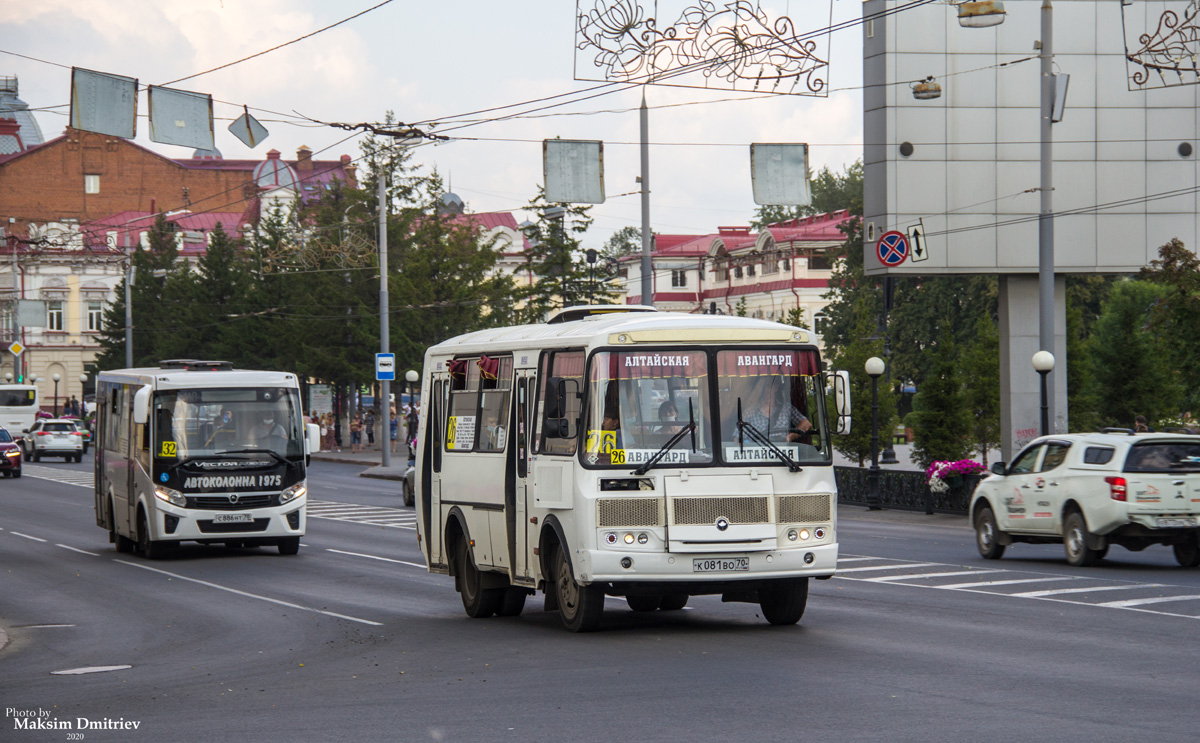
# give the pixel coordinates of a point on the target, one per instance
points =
(223, 502)
(211, 527)
(803, 509)
(735, 509)
(612, 512)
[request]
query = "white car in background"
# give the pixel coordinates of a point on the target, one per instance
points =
(1093, 490)
(55, 437)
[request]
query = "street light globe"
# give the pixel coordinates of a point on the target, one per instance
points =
(411, 376)
(83, 378)
(1043, 362)
(55, 377)
(32, 378)
(875, 366)
(7, 376)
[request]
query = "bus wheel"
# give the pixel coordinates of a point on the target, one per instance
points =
(643, 603)
(673, 601)
(479, 602)
(124, 544)
(150, 548)
(784, 601)
(513, 602)
(289, 545)
(579, 607)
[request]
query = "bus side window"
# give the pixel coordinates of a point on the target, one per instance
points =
(436, 423)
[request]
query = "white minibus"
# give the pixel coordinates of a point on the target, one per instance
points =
(626, 452)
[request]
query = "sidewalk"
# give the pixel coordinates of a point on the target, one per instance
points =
(372, 458)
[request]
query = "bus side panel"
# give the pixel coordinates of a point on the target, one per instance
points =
(98, 472)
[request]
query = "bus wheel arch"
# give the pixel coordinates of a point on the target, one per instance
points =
(151, 549)
(550, 540)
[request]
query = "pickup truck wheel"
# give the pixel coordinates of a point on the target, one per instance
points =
(1188, 554)
(1075, 539)
(987, 535)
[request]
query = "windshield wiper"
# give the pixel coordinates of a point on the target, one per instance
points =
(662, 452)
(757, 436)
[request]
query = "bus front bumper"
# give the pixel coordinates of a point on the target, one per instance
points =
(191, 524)
(614, 566)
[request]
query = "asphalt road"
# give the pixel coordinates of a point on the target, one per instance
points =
(353, 640)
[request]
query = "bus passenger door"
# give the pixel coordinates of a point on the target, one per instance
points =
(431, 497)
(518, 533)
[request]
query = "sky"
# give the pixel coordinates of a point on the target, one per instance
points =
(434, 62)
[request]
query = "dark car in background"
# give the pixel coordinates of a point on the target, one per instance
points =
(10, 455)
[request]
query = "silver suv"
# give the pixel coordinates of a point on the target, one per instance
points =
(56, 437)
(1093, 490)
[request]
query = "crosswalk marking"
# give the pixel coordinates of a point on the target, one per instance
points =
(899, 566)
(1156, 600)
(884, 572)
(81, 478)
(1012, 582)
(393, 518)
(1088, 589)
(910, 576)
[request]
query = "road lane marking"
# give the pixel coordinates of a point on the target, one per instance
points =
(1005, 582)
(1089, 589)
(901, 566)
(1157, 600)
(89, 669)
(374, 557)
(247, 594)
(76, 549)
(26, 536)
(910, 576)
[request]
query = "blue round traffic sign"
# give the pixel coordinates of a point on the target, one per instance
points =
(892, 248)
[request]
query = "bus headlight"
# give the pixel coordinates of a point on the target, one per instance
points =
(294, 492)
(174, 497)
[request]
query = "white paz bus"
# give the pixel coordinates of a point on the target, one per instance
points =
(200, 451)
(627, 452)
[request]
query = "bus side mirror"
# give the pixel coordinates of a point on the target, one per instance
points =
(556, 397)
(141, 406)
(312, 441)
(841, 401)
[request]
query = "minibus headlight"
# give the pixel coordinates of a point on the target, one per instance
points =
(294, 492)
(174, 497)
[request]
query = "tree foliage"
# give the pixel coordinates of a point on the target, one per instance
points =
(941, 416)
(563, 278)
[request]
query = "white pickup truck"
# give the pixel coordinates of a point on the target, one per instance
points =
(1092, 490)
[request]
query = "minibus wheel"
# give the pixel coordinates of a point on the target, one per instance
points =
(783, 602)
(579, 607)
(479, 602)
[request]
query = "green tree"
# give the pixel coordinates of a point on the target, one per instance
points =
(981, 385)
(853, 357)
(1177, 317)
(1129, 358)
(941, 416)
(561, 275)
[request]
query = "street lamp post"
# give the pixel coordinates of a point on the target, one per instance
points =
(56, 379)
(874, 367)
(411, 378)
(1043, 363)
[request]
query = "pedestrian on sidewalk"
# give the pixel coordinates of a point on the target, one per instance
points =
(356, 428)
(394, 424)
(369, 425)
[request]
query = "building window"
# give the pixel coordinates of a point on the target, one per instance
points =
(54, 315)
(771, 264)
(678, 278)
(91, 184)
(95, 316)
(722, 268)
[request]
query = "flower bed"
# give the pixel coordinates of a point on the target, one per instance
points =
(940, 474)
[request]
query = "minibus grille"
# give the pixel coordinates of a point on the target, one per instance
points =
(803, 509)
(736, 510)
(629, 512)
(223, 502)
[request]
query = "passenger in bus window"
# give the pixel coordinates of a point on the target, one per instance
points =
(668, 417)
(493, 431)
(769, 410)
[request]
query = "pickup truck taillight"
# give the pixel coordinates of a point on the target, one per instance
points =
(1116, 487)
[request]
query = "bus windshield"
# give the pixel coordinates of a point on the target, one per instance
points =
(638, 401)
(17, 397)
(212, 422)
(781, 400)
